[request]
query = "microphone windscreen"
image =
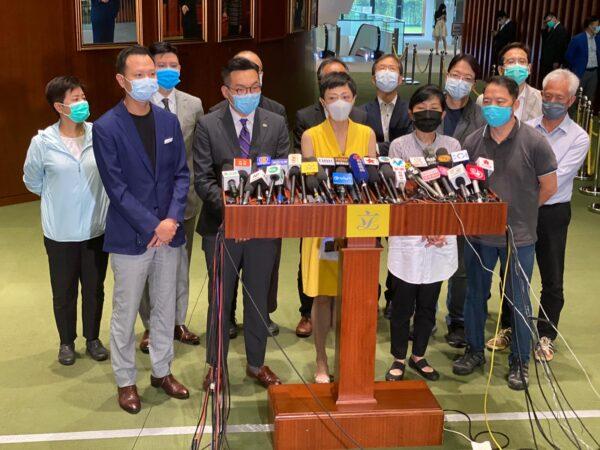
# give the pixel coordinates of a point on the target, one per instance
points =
(312, 183)
(321, 175)
(249, 188)
(387, 171)
(441, 151)
(373, 173)
(227, 166)
(243, 175)
(357, 168)
(341, 169)
(294, 170)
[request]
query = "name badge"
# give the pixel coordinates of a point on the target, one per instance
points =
(168, 140)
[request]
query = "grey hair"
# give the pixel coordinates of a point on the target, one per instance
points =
(563, 74)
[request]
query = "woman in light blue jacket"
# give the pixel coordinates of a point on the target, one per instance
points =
(61, 169)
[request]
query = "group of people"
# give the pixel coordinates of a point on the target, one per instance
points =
(146, 175)
(580, 53)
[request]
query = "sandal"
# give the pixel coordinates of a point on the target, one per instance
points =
(420, 365)
(323, 378)
(396, 365)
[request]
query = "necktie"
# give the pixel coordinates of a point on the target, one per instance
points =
(244, 138)
(166, 103)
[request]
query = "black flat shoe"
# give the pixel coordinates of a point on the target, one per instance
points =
(96, 350)
(66, 354)
(396, 365)
(420, 365)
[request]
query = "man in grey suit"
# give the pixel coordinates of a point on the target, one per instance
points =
(188, 110)
(241, 130)
(277, 108)
(265, 102)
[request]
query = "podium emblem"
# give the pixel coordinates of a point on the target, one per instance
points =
(367, 220)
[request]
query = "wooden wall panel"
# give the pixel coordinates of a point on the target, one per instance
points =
(480, 19)
(37, 47)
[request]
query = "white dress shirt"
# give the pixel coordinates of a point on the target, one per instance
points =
(592, 61)
(386, 110)
(157, 99)
(521, 98)
(238, 125)
(570, 144)
(408, 258)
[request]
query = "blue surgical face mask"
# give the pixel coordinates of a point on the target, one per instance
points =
(387, 80)
(551, 24)
(496, 116)
(554, 110)
(597, 29)
(456, 88)
(517, 72)
(167, 78)
(246, 104)
(79, 111)
(142, 89)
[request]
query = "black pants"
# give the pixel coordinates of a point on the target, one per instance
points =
(408, 299)
(306, 302)
(553, 223)
(255, 259)
(103, 30)
(457, 289)
(72, 263)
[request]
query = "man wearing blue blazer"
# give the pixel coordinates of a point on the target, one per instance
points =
(141, 158)
(583, 56)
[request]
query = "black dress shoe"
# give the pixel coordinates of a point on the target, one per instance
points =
(96, 350)
(273, 328)
(66, 354)
(233, 329)
(456, 336)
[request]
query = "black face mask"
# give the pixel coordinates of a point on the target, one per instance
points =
(428, 120)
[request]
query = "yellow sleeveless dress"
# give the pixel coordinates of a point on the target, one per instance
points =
(320, 268)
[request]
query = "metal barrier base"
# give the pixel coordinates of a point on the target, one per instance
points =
(410, 81)
(583, 177)
(590, 190)
(595, 208)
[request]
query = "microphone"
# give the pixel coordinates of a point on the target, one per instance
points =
(343, 181)
(360, 174)
(312, 185)
(388, 177)
(431, 176)
(476, 174)
(328, 165)
(294, 163)
(309, 166)
(431, 160)
(275, 175)
(460, 180)
(444, 162)
(262, 162)
(460, 157)
(372, 165)
(231, 181)
(323, 178)
(248, 191)
(412, 173)
(260, 181)
(244, 168)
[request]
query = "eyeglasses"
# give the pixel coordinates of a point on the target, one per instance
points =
(513, 61)
(457, 76)
(245, 90)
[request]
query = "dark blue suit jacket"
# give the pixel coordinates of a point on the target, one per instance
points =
(400, 123)
(577, 53)
(140, 196)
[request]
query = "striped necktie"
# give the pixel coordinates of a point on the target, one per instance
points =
(244, 138)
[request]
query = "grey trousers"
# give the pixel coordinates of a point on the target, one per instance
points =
(182, 293)
(158, 267)
(589, 83)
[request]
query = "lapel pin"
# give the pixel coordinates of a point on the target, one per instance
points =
(264, 125)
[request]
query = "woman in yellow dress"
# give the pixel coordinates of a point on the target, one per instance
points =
(337, 136)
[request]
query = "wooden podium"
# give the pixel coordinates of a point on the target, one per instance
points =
(367, 413)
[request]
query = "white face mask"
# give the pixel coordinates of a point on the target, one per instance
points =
(387, 80)
(339, 110)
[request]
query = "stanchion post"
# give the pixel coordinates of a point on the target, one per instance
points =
(405, 55)
(586, 106)
(430, 64)
(395, 40)
(442, 55)
(594, 188)
(579, 101)
(414, 61)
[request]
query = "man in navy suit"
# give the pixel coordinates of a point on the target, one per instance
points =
(141, 158)
(387, 114)
(583, 56)
(103, 16)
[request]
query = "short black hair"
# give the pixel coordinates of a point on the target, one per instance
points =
(57, 88)
(589, 20)
(235, 64)
(501, 14)
(510, 84)
(126, 53)
(550, 14)
(386, 56)
(334, 80)
(469, 59)
(326, 62)
(159, 48)
(426, 92)
(511, 46)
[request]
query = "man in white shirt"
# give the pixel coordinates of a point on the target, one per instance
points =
(188, 110)
(570, 144)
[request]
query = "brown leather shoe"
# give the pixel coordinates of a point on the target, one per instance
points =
(145, 342)
(208, 379)
(171, 386)
(185, 336)
(129, 399)
(304, 328)
(265, 376)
